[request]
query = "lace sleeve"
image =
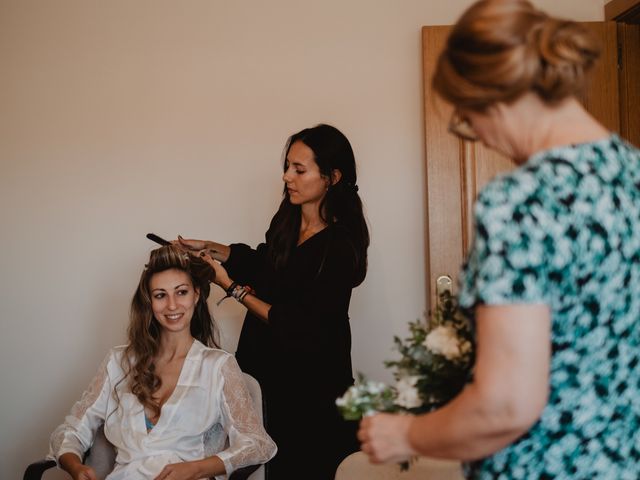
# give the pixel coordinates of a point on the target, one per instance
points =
(249, 443)
(77, 432)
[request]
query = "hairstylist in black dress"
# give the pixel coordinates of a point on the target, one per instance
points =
(296, 286)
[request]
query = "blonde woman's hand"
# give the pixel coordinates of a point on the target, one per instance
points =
(385, 437)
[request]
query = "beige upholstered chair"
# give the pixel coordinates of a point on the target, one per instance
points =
(102, 454)
(357, 467)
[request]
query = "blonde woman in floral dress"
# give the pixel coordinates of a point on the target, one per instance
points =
(553, 278)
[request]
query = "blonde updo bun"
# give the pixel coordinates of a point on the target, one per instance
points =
(501, 49)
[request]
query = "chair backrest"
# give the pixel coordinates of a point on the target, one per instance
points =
(102, 455)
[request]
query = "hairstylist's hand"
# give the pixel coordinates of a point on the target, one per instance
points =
(385, 437)
(217, 250)
(222, 277)
(190, 245)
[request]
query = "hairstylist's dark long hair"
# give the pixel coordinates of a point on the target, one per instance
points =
(144, 330)
(341, 206)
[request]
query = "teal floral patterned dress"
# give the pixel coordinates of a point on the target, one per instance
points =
(564, 230)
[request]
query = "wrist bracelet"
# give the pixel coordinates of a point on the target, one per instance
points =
(242, 295)
(229, 293)
(242, 292)
(237, 292)
(229, 290)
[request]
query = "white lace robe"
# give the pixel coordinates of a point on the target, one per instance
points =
(209, 405)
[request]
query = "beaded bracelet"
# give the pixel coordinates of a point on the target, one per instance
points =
(235, 293)
(241, 292)
(242, 295)
(229, 292)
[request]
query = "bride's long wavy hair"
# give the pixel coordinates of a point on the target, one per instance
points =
(144, 330)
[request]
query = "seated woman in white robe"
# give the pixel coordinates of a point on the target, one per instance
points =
(174, 406)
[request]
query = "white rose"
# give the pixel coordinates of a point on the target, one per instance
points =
(375, 388)
(408, 396)
(443, 341)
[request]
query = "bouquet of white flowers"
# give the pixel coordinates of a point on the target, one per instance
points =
(435, 364)
(436, 359)
(366, 397)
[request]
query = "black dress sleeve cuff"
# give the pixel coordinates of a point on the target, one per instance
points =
(244, 262)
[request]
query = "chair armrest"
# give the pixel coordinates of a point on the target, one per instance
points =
(243, 473)
(36, 469)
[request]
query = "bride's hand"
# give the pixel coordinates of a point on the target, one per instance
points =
(180, 471)
(84, 472)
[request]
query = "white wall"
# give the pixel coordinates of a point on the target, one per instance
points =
(124, 117)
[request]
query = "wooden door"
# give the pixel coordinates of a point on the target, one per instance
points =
(629, 79)
(456, 170)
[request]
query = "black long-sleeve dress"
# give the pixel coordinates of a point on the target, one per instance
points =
(302, 355)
